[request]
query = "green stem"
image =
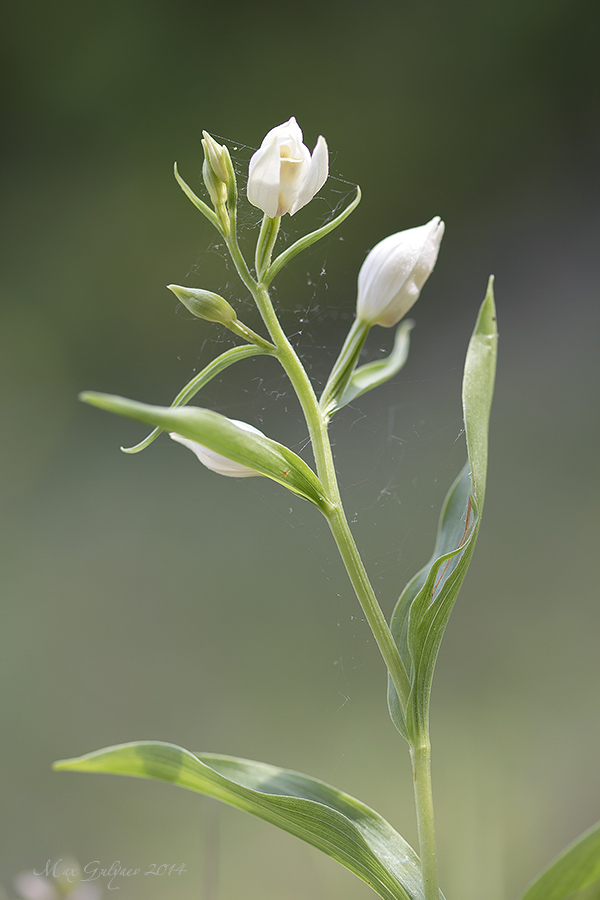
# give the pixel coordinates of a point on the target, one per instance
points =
(368, 601)
(316, 420)
(238, 257)
(420, 754)
(265, 244)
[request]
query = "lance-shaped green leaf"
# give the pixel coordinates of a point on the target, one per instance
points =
(217, 433)
(422, 612)
(198, 203)
(574, 874)
(187, 393)
(334, 822)
(372, 374)
(309, 239)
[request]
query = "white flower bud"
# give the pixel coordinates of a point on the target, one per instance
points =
(392, 275)
(215, 461)
(283, 175)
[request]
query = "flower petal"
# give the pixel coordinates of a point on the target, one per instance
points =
(316, 176)
(283, 176)
(395, 270)
(264, 174)
(215, 461)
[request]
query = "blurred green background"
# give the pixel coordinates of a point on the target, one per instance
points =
(144, 597)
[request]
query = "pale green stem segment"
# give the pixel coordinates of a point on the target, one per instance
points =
(368, 600)
(240, 263)
(420, 755)
(265, 244)
(344, 366)
(251, 336)
(317, 426)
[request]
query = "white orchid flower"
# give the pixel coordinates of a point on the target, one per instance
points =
(392, 275)
(215, 461)
(283, 175)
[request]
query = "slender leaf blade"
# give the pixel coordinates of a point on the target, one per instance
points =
(422, 612)
(189, 391)
(427, 599)
(478, 390)
(308, 239)
(372, 374)
(198, 203)
(574, 874)
(218, 433)
(334, 822)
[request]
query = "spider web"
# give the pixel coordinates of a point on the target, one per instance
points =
(258, 391)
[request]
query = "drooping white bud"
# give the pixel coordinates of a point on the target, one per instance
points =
(215, 461)
(283, 175)
(392, 275)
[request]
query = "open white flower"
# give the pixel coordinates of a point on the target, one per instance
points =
(215, 461)
(283, 175)
(392, 275)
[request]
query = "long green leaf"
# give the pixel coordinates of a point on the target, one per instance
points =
(574, 874)
(422, 612)
(187, 393)
(334, 822)
(478, 391)
(218, 433)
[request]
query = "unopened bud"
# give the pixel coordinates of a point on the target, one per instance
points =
(215, 169)
(217, 156)
(284, 176)
(205, 304)
(392, 275)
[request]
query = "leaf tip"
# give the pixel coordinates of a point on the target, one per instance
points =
(92, 398)
(486, 321)
(62, 765)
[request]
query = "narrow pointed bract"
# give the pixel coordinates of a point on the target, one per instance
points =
(283, 175)
(392, 275)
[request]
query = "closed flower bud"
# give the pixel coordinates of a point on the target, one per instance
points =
(392, 275)
(215, 461)
(214, 170)
(205, 304)
(283, 175)
(216, 155)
